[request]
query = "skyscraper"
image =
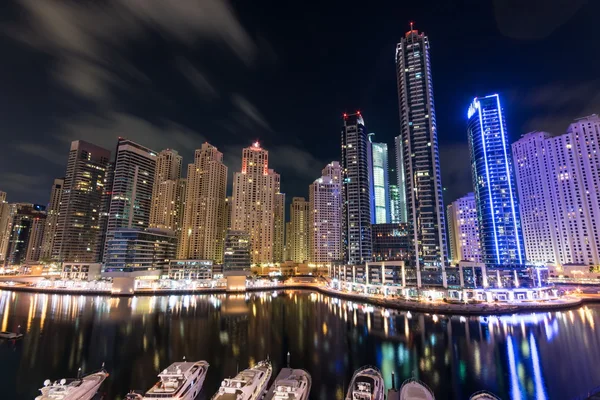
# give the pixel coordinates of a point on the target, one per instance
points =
(78, 229)
(204, 215)
(495, 191)
(325, 224)
(132, 183)
(36, 237)
(380, 183)
(557, 178)
(167, 192)
(26, 225)
(5, 225)
(254, 190)
(400, 188)
(394, 204)
(279, 229)
(418, 154)
(52, 218)
(463, 230)
(356, 190)
(298, 240)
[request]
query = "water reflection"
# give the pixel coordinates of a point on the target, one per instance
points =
(543, 356)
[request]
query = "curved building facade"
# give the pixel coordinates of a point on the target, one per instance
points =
(493, 180)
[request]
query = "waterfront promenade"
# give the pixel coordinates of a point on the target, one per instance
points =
(426, 306)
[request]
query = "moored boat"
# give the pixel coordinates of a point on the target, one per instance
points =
(366, 384)
(10, 335)
(179, 381)
(83, 388)
(250, 384)
(413, 389)
(290, 384)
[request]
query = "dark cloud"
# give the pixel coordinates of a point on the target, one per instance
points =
(249, 110)
(455, 166)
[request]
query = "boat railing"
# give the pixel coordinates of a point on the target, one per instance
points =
(484, 393)
(415, 380)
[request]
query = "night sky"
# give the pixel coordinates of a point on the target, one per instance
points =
(177, 73)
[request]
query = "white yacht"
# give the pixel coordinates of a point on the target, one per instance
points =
(250, 384)
(366, 384)
(290, 384)
(181, 380)
(73, 389)
(10, 335)
(413, 389)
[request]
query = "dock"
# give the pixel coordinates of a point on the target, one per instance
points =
(284, 373)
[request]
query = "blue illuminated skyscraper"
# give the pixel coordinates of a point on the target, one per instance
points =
(493, 180)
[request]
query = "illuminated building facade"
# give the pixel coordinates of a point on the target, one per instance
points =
(26, 230)
(391, 242)
(167, 192)
(78, 231)
(5, 225)
(52, 218)
(463, 230)
(254, 200)
(237, 255)
(380, 184)
(356, 191)
(204, 217)
(558, 180)
(298, 239)
(325, 197)
(493, 180)
(417, 151)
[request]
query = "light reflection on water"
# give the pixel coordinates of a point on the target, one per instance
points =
(542, 356)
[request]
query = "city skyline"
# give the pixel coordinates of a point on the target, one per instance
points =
(149, 95)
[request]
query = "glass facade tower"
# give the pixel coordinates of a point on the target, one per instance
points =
(379, 175)
(495, 192)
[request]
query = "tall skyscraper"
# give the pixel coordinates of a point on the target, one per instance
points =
(132, 183)
(493, 180)
(279, 229)
(298, 241)
(204, 215)
(78, 229)
(36, 237)
(356, 190)
(400, 188)
(394, 204)
(254, 190)
(380, 183)
(325, 223)
(52, 219)
(5, 225)
(418, 154)
(167, 192)
(25, 226)
(237, 251)
(463, 230)
(557, 178)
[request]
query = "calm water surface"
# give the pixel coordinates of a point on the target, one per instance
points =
(542, 356)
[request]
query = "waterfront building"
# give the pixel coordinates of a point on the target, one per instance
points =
(356, 190)
(557, 178)
(463, 230)
(78, 234)
(381, 208)
(5, 226)
(52, 213)
(81, 271)
(167, 192)
(204, 215)
(279, 229)
(237, 257)
(398, 192)
(27, 225)
(498, 216)
(391, 242)
(254, 199)
(417, 151)
(325, 224)
(132, 183)
(191, 269)
(36, 236)
(138, 253)
(298, 239)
